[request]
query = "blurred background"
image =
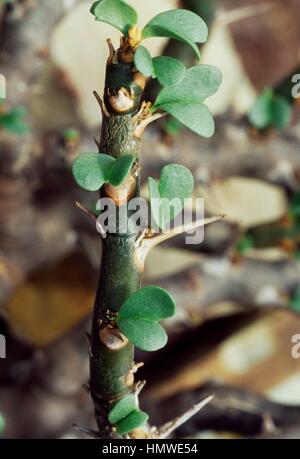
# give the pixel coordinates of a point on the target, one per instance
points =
(238, 293)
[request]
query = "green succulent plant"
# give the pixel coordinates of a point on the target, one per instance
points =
(126, 315)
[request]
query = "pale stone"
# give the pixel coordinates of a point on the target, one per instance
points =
(247, 348)
(236, 89)
(287, 391)
(246, 201)
(163, 262)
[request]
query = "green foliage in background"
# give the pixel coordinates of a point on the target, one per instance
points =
(2, 423)
(270, 110)
(71, 135)
(13, 120)
(295, 300)
(284, 233)
(245, 244)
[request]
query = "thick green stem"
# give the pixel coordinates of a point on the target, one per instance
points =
(111, 360)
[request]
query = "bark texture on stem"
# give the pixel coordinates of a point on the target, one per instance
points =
(111, 361)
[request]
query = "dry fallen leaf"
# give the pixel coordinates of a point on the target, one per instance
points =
(52, 301)
(248, 358)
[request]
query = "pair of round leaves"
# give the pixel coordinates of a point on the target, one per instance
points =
(92, 170)
(184, 100)
(270, 110)
(184, 90)
(166, 69)
(167, 196)
(139, 317)
(126, 415)
(180, 24)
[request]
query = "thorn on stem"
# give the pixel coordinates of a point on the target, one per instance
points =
(100, 229)
(140, 128)
(90, 432)
(166, 430)
(111, 49)
(139, 387)
(136, 170)
(101, 105)
(269, 424)
(140, 238)
(88, 340)
(97, 143)
(87, 388)
(98, 98)
(86, 211)
(136, 366)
